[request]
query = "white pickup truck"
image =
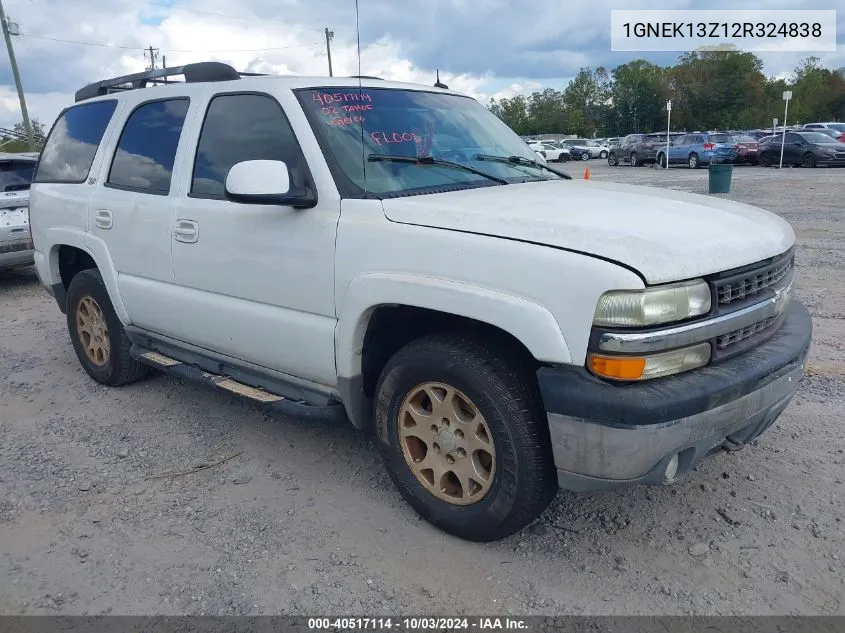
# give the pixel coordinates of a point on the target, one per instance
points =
(394, 256)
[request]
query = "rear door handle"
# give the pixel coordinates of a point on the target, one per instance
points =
(103, 219)
(186, 231)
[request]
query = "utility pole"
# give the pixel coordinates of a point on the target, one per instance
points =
(24, 113)
(153, 57)
(329, 36)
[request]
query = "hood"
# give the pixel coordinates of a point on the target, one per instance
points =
(665, 235)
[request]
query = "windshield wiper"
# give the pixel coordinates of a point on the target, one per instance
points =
(431, 160)
(521, 160)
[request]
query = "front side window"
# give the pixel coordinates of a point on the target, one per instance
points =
(147, 147)
(374, 136)
(241, 127)
(70, 149)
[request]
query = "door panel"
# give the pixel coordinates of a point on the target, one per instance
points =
(132, 211)
(258, 279)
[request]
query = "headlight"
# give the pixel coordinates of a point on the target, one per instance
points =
(661, 304)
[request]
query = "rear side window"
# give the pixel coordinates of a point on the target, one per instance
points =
(72, 144)
(241, 127)
(147, 147)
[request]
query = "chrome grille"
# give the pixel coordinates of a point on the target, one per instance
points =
(740, 335)
(753, 282)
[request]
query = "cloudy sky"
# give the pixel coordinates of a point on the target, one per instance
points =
(482, 47)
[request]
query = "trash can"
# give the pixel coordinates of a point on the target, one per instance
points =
(720, 177)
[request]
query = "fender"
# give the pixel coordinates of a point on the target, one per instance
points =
(59, 236)
(532, 324)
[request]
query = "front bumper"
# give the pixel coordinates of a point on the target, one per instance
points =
(15, 253)
(605, 436)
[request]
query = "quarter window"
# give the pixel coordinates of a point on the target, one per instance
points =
(241, 127)
(70, 149)
(147, 147)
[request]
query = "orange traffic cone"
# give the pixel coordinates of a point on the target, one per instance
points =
(587, 173)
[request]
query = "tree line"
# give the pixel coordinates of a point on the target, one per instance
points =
(710, 90)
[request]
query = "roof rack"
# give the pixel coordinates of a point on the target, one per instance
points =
(198, 72)
(365, 77)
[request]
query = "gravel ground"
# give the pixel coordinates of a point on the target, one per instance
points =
(302, 518)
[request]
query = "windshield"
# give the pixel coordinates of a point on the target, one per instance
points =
(352, 124)
(816, 137)
(16, 175)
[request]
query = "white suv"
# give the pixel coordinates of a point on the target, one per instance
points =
(393, 255)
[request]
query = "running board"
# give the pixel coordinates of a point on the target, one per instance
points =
(334, 412)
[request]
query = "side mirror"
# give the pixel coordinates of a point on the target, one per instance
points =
(266, 182)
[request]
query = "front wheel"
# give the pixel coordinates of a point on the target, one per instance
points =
(603, 154)
(464, 437)
(635, 160)
(612, 159)
(661, 160)
(97, 335)
(765, 159)
(808, 160)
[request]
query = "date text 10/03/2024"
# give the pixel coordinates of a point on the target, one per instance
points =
(416, 623)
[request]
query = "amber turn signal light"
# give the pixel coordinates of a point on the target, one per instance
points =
(618, 367)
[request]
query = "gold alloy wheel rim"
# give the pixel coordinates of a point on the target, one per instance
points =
(93, 331)
(447, 443)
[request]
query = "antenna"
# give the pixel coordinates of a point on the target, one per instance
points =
(440, 84)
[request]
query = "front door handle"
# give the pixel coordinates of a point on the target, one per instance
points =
(186, 231)
(103, 219)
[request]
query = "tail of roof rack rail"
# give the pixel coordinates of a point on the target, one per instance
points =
(198, 72)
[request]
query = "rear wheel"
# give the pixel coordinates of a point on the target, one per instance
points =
(97, 335)
(585, 156)
(603, 154)
(808, 160)
(464, 437)
(693, 161)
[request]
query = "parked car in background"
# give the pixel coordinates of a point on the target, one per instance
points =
(585, 149)
(636, 149)
(613, 140)
(747, 149)
(839, 127)
(699, 149)
(555, 152)
(16, 171)
(538, 147)
(758, 134)
(834, 134)
(809, 148)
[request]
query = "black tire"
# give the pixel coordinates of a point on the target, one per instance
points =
(635, 160)
(500, 386)
(585, 156)
(661, 160)
(693, 161)
(612, 159)
(808, 160)
(119, 368)
(765, 159)
(602, 154)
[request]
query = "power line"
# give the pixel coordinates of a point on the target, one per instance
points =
(172, 50)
